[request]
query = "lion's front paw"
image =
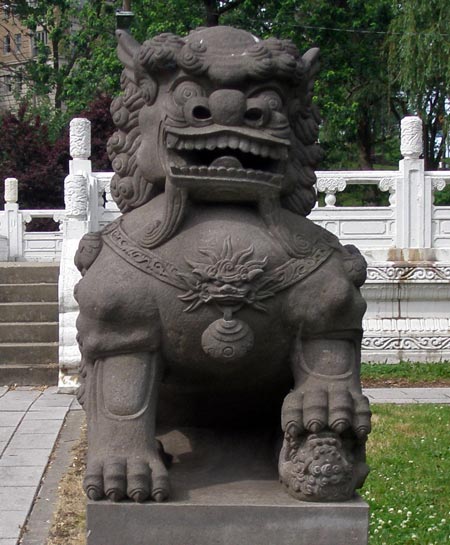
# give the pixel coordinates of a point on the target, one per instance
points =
(138, 476)
(325, 427)
(315, 407)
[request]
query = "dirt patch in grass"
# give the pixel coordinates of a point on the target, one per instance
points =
(68, 526)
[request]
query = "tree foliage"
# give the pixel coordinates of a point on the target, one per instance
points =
(76, 59)
(361, 101)
(27, 153)
(419, 69)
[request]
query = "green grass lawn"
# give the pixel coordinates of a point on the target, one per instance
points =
(414, 373)
(408, 489)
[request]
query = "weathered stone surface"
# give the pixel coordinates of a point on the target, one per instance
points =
(225, 491)
(213, 298)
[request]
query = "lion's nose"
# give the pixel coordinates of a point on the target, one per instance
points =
(227, 106)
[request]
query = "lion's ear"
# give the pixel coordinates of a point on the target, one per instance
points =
(127, 48)
(311, 61)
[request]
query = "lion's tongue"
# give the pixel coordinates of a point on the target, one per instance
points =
(228, 161)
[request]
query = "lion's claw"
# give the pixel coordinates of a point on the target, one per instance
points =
(314, 409)
(137, 480)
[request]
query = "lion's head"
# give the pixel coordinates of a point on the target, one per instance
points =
(219, 115)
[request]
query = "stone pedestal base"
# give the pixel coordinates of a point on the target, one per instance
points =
(225, 491)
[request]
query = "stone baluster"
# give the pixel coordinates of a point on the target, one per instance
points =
(13, 227)
(11, 190)
(80, 143)
(414, 196)
(77, 198)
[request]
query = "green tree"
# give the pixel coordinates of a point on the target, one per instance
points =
(419, 68)
(352, 89)
(73, 50)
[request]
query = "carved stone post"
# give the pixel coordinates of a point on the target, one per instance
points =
(13, 226)
(76, 198)
(414, 196)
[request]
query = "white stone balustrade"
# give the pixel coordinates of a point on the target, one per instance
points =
(407, 246)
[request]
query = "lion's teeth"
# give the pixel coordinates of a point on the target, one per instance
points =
(200, 143)
(171, 140)
(264, 151)
(211, 143)
(255, 148)
(233, 142)
(222, 142)
(244, 145)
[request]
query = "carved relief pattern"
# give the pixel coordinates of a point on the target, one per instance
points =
(411, 137)
(229, 279)
(11, 190)
(389, 184)
(144, 260)
(408, 326)
(438, 184)
(227, 340)
(435, 273)
(265, 285)
(80, 138)
(225, 278)
(330, 186)
(317, 468)
(76, 196)
(406, 343)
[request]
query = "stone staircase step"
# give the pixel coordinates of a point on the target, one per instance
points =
(32, 353)
(24, 273)
(33, 292)
(29, 323)
(27, 332)
(29, 375)
(29, 312)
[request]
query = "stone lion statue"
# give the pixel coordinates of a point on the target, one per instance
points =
(212, 300)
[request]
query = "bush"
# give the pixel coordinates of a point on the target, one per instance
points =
(40, 163)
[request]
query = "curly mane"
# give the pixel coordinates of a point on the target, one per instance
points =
(263, 60)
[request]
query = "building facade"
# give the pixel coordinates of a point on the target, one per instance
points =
(18, 45)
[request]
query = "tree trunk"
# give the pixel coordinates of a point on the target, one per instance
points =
(364, 144)
(212, 12)
(56, 67)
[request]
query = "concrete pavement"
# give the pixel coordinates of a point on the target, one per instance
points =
(31, 420)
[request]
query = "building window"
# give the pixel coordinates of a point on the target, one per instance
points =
(8, 85)
(6, 44)
(39, 36)
(18, 42)
(18, 83)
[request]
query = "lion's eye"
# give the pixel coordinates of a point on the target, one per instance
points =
(273, 99)
(187, 90)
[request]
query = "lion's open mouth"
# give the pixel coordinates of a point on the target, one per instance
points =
(225, 161)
